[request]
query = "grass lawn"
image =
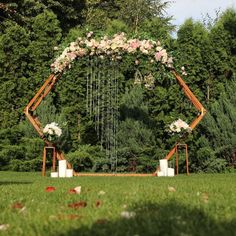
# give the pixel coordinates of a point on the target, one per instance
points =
(195, 205)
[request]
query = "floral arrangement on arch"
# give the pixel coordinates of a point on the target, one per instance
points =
(52, 131)
(114, 47)
(179, 127)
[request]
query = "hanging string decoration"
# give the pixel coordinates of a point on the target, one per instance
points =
(102, 103)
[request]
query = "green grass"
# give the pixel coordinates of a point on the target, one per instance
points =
(201, 205)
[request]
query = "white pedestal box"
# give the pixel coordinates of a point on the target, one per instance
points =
(54, 174)
(164, 166)
(62, 168)
(171, 172)
(69, 173)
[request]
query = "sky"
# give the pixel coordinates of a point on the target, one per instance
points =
(183, 9)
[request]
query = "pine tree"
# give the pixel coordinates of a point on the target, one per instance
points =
(219, 125)
(13, 73)
(191, 47)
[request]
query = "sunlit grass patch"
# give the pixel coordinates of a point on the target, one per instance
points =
(194, 205)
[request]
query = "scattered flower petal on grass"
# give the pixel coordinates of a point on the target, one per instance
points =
(22, 210)
(98, 203)
(72, 191)
(50, 189)
(101, 192)
(4, 227)
(17, 205)
(128, 214)
(78, 189)
(171, 189)
(78, 205)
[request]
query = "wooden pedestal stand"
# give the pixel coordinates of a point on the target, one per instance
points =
(177, 157)
(46, 148)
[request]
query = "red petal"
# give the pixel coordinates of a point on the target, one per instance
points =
(78, 205)
(98, 203)
(50, 189)
(72, 191)
(17, 205)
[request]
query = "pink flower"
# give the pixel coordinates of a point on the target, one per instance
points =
(89, 34)
(81, 52)
(72, 55)
(115, 46)
(134, 43)
(158, 56)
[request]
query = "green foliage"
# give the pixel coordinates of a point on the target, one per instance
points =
(116, 26)
(135, 134)
(19, 152)
(219, 128)
(80, 160)
(13, 67)
(87, 158)
(25, 165)
(47, 114)
(191, 47)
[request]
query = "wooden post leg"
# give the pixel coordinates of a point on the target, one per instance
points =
(187, 159)
(54, 159)
(44, 162)
(177, 160)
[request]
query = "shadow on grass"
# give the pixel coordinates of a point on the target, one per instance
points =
(169, 219)
(14, 182)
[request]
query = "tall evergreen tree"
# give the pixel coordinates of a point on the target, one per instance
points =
(219, 125)
(191, 47)
(13, 73)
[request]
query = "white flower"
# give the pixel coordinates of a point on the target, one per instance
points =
(128, 214)
(52, 129)
(179, 125)
(101, 192)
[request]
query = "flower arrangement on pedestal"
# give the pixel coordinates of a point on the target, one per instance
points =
(52, 131)
(179, 127)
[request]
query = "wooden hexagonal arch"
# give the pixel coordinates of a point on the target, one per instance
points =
(54, 77)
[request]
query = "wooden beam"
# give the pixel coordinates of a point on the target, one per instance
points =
(194, 101)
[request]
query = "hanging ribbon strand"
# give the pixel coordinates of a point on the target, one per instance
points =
(102, 104)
